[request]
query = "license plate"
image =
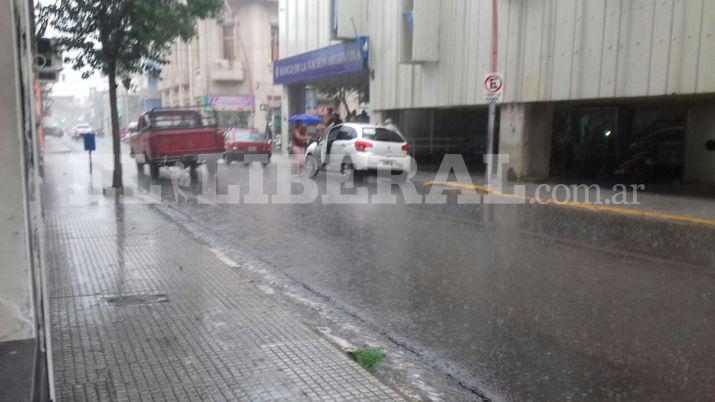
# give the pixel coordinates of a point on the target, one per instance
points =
(387, 162)
(252, 149)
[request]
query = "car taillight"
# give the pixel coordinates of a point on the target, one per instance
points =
(362, 145)
(406, 148)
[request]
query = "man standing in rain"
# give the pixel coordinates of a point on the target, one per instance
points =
(392, 126)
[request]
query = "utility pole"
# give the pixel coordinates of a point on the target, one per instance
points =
(492, 87)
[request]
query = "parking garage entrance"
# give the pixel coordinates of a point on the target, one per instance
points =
(620, 143)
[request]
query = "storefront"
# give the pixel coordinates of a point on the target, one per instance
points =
(336, 76)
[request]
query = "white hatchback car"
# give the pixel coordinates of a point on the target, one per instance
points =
(355, 149)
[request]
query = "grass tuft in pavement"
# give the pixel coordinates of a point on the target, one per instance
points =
(368, 358)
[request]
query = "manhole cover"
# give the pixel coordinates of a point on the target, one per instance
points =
(130, 300)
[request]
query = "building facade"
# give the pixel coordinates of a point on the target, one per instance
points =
(585, 81)
(228, 65)
(23, 307)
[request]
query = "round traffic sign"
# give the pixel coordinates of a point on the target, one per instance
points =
(493, 83)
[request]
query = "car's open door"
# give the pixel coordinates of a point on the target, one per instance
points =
(326, 141)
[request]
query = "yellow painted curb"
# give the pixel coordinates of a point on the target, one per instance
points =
(577, 205)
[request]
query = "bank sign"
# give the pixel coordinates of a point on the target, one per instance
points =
(333, 60)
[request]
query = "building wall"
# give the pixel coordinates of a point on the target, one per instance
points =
(16, 308)
(191, 72)
(548, 49)
(304, 26)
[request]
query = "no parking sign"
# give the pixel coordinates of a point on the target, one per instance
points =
(493, 85)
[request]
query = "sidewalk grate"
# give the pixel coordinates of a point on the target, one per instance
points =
(129, 300)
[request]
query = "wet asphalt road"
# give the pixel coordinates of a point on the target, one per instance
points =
(520, 302)
(523, 302)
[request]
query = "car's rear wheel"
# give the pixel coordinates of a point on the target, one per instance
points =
(347, 170)
(311, 166)
(154, 170)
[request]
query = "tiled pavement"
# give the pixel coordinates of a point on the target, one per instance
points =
(213, 337)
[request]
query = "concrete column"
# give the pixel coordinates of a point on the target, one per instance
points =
(699, 161)
(285, 115)
(525, 135)
(16, 308)
(376, 117)
(292, 102)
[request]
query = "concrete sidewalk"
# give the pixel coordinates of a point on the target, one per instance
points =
(142, 311)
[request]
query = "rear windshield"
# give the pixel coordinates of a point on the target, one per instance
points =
(180, 120)
(247, 136)
(381, 134)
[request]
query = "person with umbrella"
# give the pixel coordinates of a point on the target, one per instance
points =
(300, 135)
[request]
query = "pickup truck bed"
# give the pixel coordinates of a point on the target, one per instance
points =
(169, 137)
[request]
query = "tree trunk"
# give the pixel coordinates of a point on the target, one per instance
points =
(117, 176)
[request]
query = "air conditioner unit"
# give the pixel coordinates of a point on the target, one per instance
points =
(224, 70)
(222, 65)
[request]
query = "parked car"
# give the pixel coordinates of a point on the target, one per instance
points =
(168, 137)
(355, 149)
(241, 142)
(53, 131)
(79, 130)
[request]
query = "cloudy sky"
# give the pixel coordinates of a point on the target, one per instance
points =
(71, 83)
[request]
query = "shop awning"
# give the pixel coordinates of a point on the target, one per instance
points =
(346, 57)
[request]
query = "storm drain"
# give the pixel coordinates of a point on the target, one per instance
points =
(132, 300)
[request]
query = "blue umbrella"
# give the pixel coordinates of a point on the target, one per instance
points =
(307, 119)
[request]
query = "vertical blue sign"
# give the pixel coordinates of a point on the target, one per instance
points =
(89, 142)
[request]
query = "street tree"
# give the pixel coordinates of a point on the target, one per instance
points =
(341, 94)
(123, 37)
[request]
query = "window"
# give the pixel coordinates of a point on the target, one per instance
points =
(173, 120)
(196, 52)
(334, 133)
(347, 134)
(381, 134)
(248, 136)
(274, 43)
(229, 46)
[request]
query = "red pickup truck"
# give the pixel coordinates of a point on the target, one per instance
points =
(166, 137)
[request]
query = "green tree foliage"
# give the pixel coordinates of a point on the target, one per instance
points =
(122, 37)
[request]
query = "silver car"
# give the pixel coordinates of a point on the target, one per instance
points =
(354, 149)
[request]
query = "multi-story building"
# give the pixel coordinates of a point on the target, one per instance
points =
(586, 83)
(228, 65)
